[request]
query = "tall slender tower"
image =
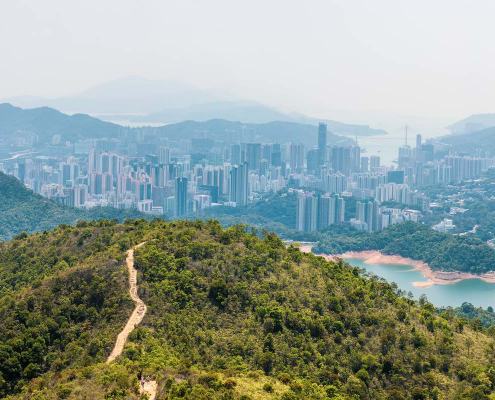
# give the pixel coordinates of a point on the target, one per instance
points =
(180, 197)
(322, 143)
(239, 184)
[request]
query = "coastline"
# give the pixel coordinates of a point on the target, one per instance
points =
(433, 277)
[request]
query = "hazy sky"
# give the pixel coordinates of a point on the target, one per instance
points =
(429, 57)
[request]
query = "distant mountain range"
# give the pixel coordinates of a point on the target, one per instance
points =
(470, 142)
(22, 210)
(46, 122)
(275, 132)
(142, 100)
(476, 132)
(243, 111)
(131, 94)
(474, 123)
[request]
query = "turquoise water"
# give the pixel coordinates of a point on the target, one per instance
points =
(474, 291)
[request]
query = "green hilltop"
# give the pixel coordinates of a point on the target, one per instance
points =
(231, 315)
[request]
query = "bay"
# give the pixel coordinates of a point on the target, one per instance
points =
(474, 291)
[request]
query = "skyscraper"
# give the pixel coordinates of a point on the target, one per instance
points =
(312, 160)
(301, 212)
(239, 184)
(180, 197)
(311, 214)
(296, 156)
(405, 156)
(254, 155)
(374, 162)
(395, 176)
(365, 161)
(330, 211)
(369, 214)
(418, 140)
(361, 211)
(318, 212)
(341, 159)
(322, 143)
(335, 183)
(235, 154)
(164, 155)
(355, 159)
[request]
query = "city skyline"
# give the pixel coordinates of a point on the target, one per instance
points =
(163, 177)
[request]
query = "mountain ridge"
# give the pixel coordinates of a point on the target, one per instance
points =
(126, 95)
(170, 101)
(473, 123)
(470, 142)
(46, 122)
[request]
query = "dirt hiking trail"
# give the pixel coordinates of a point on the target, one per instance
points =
(137, 316)
(149, 389)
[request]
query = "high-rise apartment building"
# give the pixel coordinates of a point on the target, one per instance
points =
(365, 164)
(164, 155)
(341, 159)
(322, 143)
(368, 215)
(239, 184)
(181, 197)
(318, 212)
(253, 153)
(374, 162)
(312, 160)
(296, 156)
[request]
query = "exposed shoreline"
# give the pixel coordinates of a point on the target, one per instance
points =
(434, 277)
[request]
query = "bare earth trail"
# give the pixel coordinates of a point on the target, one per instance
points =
(137, 316)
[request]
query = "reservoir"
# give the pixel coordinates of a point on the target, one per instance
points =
(474, 291)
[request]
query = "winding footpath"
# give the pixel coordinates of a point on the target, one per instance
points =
(149, 388)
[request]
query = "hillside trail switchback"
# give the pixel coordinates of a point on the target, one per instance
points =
(137, 316)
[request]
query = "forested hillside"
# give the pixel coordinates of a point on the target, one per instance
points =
(231, 315)
(442, 251)
(22, 210)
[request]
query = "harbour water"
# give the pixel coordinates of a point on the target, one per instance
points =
(474, 291)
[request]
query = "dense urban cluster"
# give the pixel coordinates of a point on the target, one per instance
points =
(159, 176)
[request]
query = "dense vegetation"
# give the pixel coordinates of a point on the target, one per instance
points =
(442, 251)
(22, 210)
(231, 315)
(477, 315)
(63, 297)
